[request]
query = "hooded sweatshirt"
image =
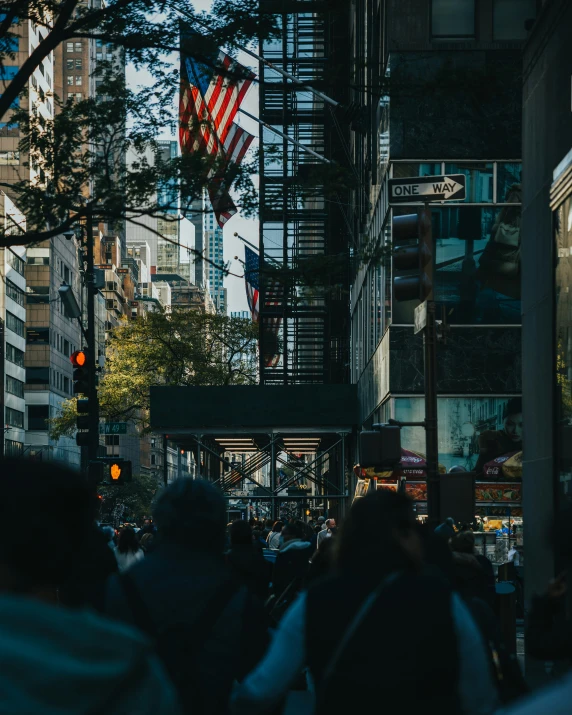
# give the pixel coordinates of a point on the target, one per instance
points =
(56, 661)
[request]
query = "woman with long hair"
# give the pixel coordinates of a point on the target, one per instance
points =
(273, 538)
(127, 551)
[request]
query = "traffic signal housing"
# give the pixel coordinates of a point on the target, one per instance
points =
(80, 372)
(412, 255)
(82, 423)
(119, 471)
(380, 448)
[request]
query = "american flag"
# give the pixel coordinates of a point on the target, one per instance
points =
(270, 325)
(209, 101)
(251, 274)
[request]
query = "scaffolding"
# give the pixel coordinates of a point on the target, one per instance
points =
(304, 324)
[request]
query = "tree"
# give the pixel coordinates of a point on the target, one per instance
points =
(79, 156)
(179, 348)
(131, 501)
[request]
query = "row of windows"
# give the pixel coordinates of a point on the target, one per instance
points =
(37, 294)
(14, 292)
(78, 79)
(15, 324)
(61, 382)
(15, 262)
(77, 63)
(14, 386)
(13, 448)
(14, 355)
(14, 418)
(74, 46)
(457, 19)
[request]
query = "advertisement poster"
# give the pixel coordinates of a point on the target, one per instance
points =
(473, 433)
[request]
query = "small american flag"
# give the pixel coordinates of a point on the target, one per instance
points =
(251, 274)
(209, 101)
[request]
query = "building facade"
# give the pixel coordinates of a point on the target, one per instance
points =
(445, 99)
(214, 265)
(546, 281)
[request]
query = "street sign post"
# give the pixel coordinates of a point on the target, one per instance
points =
(113, 428)
(420, 317)
(449, 187)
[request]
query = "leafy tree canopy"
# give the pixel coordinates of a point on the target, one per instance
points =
(179, 348)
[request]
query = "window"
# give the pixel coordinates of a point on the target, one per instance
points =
(14, 386)
(479, 181)
(37, 416)
(13, 448)
(14, 292)
(78, 63)
(15, 418)
(70, 79)
(509, 18)
(37, 294)
(38, 336)
(37, 376)
(67, 385)
(14, 324)
(78, 46)
(69, 46)
(508, 183)
(15, 262)
(9, 158)
(69, 64)
(38, 261)
(78, 79)
(66, 350)
(14, 355)
(453, 19)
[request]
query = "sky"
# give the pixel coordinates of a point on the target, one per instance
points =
(247, 228)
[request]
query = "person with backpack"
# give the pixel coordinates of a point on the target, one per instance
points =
(382, 610)
(207, 627)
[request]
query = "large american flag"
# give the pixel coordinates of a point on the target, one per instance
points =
(209, 100)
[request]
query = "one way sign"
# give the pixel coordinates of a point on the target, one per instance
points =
(427, 188)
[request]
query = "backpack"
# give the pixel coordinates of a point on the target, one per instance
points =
(179, 645)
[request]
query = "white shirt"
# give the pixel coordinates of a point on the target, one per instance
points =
(127, 559)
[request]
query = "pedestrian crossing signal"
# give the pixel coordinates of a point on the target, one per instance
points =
(119, 471)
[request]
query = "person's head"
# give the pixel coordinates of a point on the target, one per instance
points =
(463, 542)
(127, 540)
(513, 419)
(278, 526)
(268, 524)
(108, 532)
(36, 559)
(191, 512)
(380, 535)
(240, 532)
(293, 530)
(330, 523)
(321, 520)
(146, 522)
(146, 540)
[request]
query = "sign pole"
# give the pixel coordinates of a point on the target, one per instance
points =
(431, 422)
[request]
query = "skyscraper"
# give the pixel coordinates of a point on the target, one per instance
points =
(213, 251)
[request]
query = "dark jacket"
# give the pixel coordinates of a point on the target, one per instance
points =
(548, 634)
(177, 585)
(407, 638)
(248, 563)
(470, 578)
(292, 565)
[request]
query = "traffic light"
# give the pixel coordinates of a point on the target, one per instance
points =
(80, 372)
(119, 471)
(381, 448)
(412, 253)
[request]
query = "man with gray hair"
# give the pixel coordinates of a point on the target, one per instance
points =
(208, 629)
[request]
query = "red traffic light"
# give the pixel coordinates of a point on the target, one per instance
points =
(78, 358)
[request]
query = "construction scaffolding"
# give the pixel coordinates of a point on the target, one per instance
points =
(305, 235)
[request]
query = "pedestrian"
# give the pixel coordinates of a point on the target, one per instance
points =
(474, 573)
(128, 550)
(513, 555)
(363, 613)
(55, 659)
(246, 559)
(446, 529)
(274, 538)
(327, 532)
(147, 542)
(209, 630)
(267, 528)
(257, 538)
(147, 528)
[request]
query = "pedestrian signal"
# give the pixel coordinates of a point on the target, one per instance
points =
(119, 471)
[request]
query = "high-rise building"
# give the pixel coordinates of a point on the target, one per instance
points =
(213, 251)
(451, 104)
(12, 335)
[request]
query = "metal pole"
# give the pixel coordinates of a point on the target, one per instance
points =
(93, 444)
(431, 425)
(285, 136)
(273, 477)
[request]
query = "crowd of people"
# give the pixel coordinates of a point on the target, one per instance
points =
(193, 615)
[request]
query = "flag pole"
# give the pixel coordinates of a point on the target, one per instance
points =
(240, 238)
(285, 136)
